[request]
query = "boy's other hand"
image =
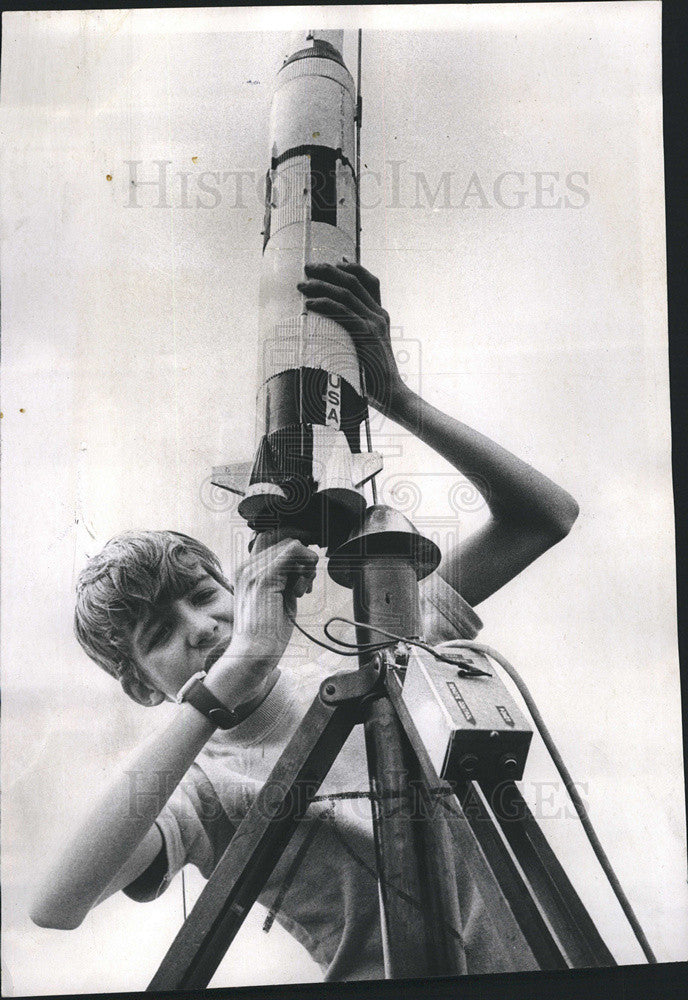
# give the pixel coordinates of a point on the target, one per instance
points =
(266, 589)
(350, 295)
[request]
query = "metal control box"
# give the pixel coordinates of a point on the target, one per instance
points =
(470, 725)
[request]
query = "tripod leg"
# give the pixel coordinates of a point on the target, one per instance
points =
(530, 915)
(570, 920)
(256, 847)
(421, 924)
(421, 936)
(437, 862)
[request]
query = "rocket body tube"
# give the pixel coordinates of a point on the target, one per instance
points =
(309, 465)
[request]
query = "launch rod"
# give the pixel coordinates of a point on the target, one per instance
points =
(359, 114)
(359, 109)
(303, 320)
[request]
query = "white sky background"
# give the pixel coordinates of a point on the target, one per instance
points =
(129, 343)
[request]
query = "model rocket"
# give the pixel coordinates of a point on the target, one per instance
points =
(309, 468)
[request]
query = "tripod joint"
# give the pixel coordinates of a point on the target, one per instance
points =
(355, 685)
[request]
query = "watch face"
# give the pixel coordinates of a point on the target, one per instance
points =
(222, 717)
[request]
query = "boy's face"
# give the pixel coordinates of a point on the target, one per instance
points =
(184, 635)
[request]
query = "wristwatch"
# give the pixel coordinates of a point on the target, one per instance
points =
(205, 702)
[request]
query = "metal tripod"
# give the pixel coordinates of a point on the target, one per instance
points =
(416, 816)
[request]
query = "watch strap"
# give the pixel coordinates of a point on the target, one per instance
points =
(204, 701)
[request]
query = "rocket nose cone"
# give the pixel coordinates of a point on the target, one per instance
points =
(334, 39)
(319, 49)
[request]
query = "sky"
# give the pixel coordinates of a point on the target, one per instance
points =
(512, 207)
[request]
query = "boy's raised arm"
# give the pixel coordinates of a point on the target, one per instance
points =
(529, 513)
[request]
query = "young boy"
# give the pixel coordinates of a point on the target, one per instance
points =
(154, 609)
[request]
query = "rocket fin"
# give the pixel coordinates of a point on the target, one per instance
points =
(365, 465)
(233, 477)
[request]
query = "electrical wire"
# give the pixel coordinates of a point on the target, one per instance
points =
(464, 668)
(540, 725)
(356, 648)
(333, 649)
